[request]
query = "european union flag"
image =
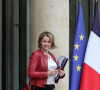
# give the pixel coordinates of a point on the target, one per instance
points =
(78, 52)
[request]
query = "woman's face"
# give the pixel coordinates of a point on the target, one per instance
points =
(45, 43)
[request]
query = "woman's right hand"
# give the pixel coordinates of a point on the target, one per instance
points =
(52, 72)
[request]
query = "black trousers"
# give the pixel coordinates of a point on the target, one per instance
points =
(47, 87)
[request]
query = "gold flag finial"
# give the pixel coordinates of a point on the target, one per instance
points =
(96, 0)
(79, 0)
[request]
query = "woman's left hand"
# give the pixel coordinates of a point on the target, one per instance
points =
(61, 73)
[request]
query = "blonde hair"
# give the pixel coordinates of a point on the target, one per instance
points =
(48, 34)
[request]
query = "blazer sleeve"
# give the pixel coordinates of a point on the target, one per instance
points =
(33, 65)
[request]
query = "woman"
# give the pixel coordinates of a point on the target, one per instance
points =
(42, 66)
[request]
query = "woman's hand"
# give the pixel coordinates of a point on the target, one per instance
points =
(61, 73)
(52, 72)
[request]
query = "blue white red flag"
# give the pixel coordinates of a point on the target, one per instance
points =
(90, 79)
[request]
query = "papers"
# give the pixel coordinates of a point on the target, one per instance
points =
(61, 63)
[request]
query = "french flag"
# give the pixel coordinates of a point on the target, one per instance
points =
(90, 79)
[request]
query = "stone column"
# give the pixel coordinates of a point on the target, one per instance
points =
(53, 16)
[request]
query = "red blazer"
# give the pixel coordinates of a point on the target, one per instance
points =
(38, 68)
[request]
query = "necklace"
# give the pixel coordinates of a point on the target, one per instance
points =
(46, 54)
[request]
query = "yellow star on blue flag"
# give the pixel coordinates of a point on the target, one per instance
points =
(81, 37)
